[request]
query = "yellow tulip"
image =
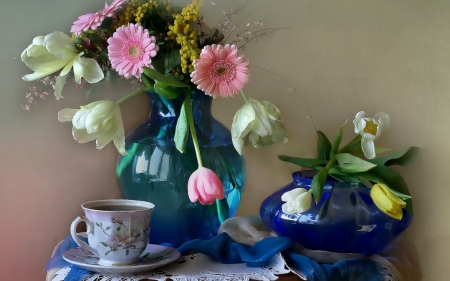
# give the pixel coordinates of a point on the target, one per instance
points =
(387, 201)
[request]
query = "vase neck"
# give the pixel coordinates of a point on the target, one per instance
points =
(170, 108)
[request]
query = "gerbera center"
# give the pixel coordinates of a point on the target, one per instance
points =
(222, 71)
(370, 128)
(132, 51)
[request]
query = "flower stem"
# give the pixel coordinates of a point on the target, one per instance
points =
(330, 163)
(190, 120)
(244, 96)
(351, 144)
(364, 181)
(133, 94)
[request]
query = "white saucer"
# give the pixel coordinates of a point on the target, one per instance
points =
(153, 257)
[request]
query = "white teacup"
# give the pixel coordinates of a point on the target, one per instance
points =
(117, 229)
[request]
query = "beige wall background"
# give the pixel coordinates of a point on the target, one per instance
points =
(340, 56)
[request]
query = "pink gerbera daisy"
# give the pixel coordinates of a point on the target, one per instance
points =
(130, 49)
(109, 10)
(86, 22)
(94, 20)
(220, 71)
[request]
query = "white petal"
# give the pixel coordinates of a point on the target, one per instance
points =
(103, 140)
(82, 136)
(66, 114)
(286, 209)
(263, 123)
(60, 82)
(43, 66)
(67, 68)
(303, 202)
(292, 194)
(383, 119)
(119, 143)
(34, 51)
(242, 121)
(280, 135)
(61, 45)
(272, 110)
(39, 40)
(254, 139)
(360, 125)
(119, 138)
(88, 69)
(368, 147)
(79, 119)
(357, 120)
(103, 117)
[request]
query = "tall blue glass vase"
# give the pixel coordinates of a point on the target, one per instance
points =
(154, 170)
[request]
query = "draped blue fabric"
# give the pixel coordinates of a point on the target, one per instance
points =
(344, 270)
(56, 260)
(225, 250)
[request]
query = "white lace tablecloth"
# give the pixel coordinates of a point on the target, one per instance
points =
(193, 268)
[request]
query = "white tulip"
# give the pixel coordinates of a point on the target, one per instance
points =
(298, 200)
(260, 121)
(100, 121)
(370, 129)
(53, 52)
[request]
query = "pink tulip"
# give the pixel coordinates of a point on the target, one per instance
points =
(205, 186)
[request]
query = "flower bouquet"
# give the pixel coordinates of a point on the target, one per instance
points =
(170, 53)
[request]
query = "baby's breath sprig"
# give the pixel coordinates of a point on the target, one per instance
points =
(37, 93)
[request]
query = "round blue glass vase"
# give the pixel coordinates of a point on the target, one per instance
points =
(154, 170)
(345, 220)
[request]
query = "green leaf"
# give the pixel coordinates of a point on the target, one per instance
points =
(126, 252)
(323, 146)
(364, 180)
(172, 60)
(318, 183)
(107, 253)
(147, 81)
(304, 162)
(167, 92)
(127, 159)
(182, 128)
(402, 196)
(104, 244)
(157, 76)
(357, 150)
(401, 157)
(222, 210)
(335, 173)
(395, 182)
(337, 141)
(352, 164)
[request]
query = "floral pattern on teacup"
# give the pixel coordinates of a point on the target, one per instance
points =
(129, 235)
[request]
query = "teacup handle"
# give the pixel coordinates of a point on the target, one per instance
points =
(89, 229)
